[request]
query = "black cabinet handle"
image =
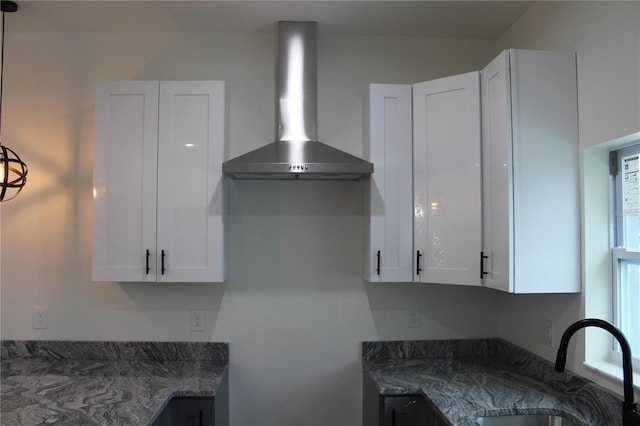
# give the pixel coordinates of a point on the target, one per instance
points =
(482, 271)
(378, 264)
(148, 269)
(418, 268)
(410, 403)
(162, 269)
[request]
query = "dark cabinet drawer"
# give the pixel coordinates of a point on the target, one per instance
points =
(198, 410)
(187, 411)
(410, 410)
(192, 412)
(396, 410)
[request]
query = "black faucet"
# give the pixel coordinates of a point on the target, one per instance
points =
(630, 416)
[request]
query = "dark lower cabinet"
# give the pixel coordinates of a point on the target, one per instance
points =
(396, 410)
(164, 418)
(410, 410)
(187, 411)
(196, 410)
(192, 412)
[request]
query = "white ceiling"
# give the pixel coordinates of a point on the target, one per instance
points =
(456, 19)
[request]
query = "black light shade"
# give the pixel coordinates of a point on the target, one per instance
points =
(9, 6)
(13, 174)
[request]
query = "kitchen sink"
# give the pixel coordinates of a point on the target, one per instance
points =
(525, 420)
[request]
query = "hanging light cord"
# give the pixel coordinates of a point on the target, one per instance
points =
(7, 7)
(14, 170)
(1, 72)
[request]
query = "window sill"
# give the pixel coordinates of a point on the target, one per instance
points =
(611, 372)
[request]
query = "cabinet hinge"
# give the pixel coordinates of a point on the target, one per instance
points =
(613, 163)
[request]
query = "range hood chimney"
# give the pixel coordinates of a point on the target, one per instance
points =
(297, 153)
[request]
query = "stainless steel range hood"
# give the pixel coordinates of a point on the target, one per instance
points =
(297, 153)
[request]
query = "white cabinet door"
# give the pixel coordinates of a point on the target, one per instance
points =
(497, 174)
(388, 194)
(531, 190)
(447, 180)
(158, 186)
(124, 193)
(191, 186)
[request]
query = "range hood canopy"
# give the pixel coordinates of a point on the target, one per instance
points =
(297, 153)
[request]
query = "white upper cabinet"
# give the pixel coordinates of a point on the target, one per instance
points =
(388, 194)
(158, 185)
(447, 180)
(531, 216)
(422, 205)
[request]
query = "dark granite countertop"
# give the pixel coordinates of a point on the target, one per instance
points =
(103, 383)
(465, 379)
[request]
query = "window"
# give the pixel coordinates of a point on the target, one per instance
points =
(625, 252)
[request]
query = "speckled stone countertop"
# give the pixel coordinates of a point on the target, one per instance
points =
(103, 383)
(465, 379)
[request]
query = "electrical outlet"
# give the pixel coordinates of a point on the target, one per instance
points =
(40, 318)
(546, 332)
(197, 320)
(415, 317)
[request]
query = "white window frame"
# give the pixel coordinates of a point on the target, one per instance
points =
(618, 252)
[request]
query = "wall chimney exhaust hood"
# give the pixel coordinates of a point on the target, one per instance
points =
(297, 153)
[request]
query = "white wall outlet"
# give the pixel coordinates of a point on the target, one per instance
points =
(546, 332)
(415, 317)
(197, 320)
(40, 318)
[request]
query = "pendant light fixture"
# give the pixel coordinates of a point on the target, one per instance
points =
(13, 171)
